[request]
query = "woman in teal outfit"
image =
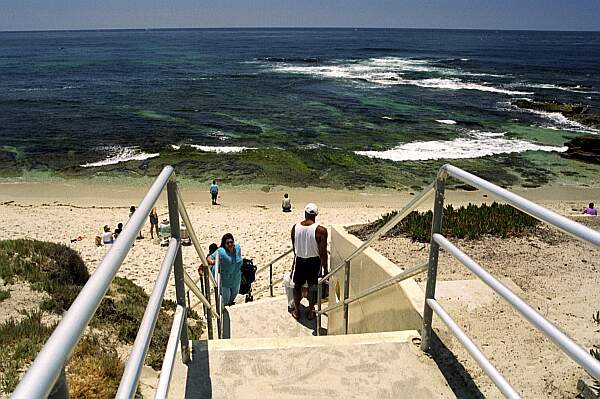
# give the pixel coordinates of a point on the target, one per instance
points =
(230, 263)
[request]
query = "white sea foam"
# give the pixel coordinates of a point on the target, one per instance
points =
(475, 145)
(217, 149)
(550, 86)
(45, 88)
(446, 121)
(393, 71)
(121, 154)
(562, 121)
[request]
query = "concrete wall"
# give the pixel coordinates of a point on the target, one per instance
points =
(395, 308)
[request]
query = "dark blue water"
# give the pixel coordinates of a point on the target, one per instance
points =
(103, 94)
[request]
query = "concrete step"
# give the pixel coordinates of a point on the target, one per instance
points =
(267, 317)
(376, 365)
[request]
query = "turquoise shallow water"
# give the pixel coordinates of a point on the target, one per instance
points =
(106, 96)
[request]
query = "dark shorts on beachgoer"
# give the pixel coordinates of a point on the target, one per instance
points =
(307, 270)
(214, 195)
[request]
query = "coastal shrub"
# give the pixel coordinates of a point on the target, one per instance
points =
(94, 370)
(470, 222)
(4, 295)
(48, 267)
(60, 272)
(21, 341)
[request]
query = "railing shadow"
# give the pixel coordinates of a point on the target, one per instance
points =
(226, 331)
(457, 377)
(198, 383)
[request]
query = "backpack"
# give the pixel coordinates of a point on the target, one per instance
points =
(248, 271)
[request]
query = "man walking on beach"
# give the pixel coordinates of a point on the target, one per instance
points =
(214, 192)
(309, 241)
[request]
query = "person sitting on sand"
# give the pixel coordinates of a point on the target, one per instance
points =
(286, 204)
(590, 210)
(309, 241)
(107, 237)
(118, 230)
(230, 264)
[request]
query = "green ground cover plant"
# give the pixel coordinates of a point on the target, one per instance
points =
(60, 272)
(470, 222)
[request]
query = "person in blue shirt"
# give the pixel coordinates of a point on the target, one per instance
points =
(230, 264)
(214, 192)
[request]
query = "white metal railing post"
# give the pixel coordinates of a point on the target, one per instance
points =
(434, 249)
(218, 297)
(46, 368)
(206, 280)
(178, 266)
(346, 294)
(319, 296)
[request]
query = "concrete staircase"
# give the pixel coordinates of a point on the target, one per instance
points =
(271, 355)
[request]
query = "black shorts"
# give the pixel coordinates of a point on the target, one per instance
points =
(214, 195)
(307, 270)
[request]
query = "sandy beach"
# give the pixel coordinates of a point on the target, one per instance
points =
(61, 211)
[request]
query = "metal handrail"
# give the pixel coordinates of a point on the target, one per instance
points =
(275, 260)
(566, 344)
(133, 368)
(46, 368)
(564, 224)
(166, 371)
(415, 202)
(202, 299)
(219, 292)
(497, 378)
(413, 271)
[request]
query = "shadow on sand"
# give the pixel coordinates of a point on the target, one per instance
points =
(459, 379)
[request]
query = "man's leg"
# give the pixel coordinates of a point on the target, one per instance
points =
(313, 279)
(297, 297)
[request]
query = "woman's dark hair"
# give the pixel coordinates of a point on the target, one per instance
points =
(212, 248)
(285, 195)
(132, 209)
(120, 226)
(227, 236)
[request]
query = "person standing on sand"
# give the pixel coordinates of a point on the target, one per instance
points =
(590, 210)
(131, 212)
(214, 192)
(153, 222)
(309, 242)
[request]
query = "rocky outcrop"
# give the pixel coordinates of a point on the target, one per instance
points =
(584, 148)
(577, 112)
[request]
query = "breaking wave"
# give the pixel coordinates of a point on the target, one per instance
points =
(397, 71)
(475, 145)
(120, 154)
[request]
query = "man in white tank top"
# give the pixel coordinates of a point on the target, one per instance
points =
(309, 241)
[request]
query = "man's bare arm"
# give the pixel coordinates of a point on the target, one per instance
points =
(321, 237)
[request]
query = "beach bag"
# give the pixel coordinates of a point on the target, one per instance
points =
(248, 271)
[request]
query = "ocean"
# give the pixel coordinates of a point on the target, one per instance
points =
(96, 98)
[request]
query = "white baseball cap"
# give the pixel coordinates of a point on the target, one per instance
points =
(311, 209)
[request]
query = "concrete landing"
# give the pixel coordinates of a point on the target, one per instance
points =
(376, 365)
(267, 317)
